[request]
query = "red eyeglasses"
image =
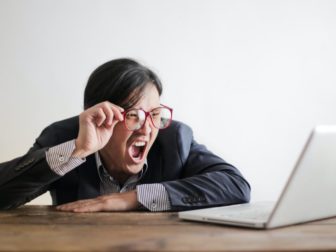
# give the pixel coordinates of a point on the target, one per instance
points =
(161, 117)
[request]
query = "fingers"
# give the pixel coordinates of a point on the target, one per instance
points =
(118, 112)
(82, 206)
(112, 202)
(100, 116)
(110, 113)
(96, 126)
(97, 207)
(104, 114)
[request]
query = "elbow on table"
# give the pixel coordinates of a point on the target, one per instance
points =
(7, 204)
(245, 192)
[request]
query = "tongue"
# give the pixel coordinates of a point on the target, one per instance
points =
(135, 151)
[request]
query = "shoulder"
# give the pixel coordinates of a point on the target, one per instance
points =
(59, 132)
(175, 131)
(176, 139)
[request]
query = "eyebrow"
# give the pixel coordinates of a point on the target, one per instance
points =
(159, 106)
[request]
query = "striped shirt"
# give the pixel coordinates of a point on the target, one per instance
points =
(152, 196)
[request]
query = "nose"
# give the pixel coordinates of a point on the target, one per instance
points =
(146, 128)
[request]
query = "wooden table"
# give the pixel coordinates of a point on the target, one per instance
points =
(41, 228)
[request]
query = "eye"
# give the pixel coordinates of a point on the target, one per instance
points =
(155, 113)
(132, 115)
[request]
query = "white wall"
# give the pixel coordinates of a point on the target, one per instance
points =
(251, 77)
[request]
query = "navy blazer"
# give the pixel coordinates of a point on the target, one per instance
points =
(193, 176)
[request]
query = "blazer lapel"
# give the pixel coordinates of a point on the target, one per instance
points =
(89, 183)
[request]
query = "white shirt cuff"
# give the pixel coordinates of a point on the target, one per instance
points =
(60, 160)
(154, 197)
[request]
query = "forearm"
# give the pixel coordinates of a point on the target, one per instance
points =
(24, 178)
(152, 196)
(223, 187)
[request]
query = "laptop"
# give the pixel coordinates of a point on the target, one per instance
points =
(308, 194)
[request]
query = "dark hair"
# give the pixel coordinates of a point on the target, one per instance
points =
(119, 81)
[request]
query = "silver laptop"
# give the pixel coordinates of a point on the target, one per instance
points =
(309, 193)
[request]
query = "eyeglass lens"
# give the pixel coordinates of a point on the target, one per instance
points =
(160, 117)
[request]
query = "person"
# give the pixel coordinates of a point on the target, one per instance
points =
(123, 152)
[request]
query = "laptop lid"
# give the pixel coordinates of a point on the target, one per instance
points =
(307, 196)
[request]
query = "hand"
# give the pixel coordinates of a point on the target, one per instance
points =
(96, 127)
(112, 202)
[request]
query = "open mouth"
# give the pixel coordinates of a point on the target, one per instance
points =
(137, 150)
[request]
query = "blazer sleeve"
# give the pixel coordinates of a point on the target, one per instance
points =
(206, 179)
(25, 178)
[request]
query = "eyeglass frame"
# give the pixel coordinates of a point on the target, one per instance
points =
(148, 114)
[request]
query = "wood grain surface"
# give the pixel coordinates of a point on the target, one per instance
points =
(42, 228)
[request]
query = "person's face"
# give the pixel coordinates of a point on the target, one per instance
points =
(127, 150)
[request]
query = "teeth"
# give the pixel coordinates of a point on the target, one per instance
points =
(139, 144)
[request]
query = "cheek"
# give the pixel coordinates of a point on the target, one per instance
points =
(120, 136)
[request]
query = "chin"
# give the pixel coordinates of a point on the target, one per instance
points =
(135, 168)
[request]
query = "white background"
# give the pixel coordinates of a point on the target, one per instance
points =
(250, 77)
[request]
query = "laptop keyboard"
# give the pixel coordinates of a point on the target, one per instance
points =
(250, 212)
(250, 215)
